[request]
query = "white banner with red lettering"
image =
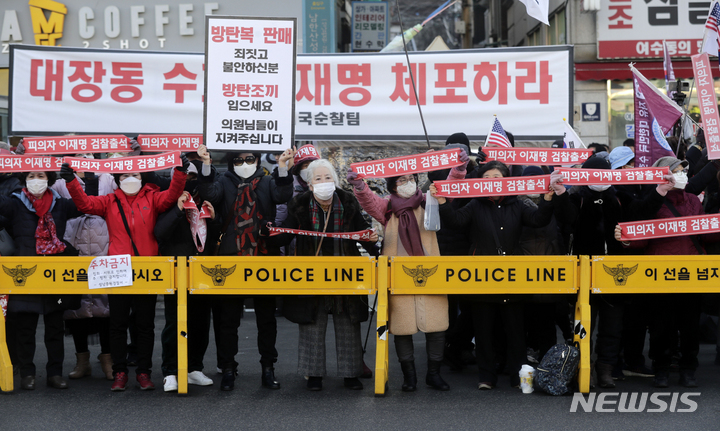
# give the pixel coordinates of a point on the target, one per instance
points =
(668, 227)
(485, 187)
(587, 177)
(406, 165)
(30, 164)
(161, 143)
(708, 103)
(76, 144)
(537, 156)
(122, 165)
(338, 96)
(362, 235)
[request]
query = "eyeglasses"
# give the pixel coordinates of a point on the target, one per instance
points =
(239, 161)
(402, 181)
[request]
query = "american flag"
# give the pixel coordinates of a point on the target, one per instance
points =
(497, 135)
(712, 31)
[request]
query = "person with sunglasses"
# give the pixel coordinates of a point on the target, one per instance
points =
(245, 198)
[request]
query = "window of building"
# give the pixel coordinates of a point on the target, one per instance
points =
(554, 33)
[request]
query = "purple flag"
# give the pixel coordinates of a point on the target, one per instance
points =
(655, 116)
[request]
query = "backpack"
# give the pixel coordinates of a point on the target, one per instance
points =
(557, 369)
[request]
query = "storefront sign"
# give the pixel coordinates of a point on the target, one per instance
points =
(369, 26)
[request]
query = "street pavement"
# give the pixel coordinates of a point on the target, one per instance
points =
(89, 404)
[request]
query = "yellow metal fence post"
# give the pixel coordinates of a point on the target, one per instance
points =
(6, 368)
(381, 351)
(582, 315)
(181, 281)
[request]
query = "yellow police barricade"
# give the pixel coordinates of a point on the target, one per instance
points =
(37, 275)
(655, 274)
(292, 275)
(483, 275)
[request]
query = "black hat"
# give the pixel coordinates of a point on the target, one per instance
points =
(457, 139)
(532, 171)
(596, 162)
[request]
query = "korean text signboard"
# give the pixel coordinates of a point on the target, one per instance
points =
(369, 26)
(337, 96)
(637, 28)
(249, 83)
(318, 26)
(708, 103)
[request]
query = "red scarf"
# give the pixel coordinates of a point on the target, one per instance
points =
(46, 240)
(408, 229)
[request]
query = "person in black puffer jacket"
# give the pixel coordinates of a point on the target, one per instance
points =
(243, 194)
(38, 216)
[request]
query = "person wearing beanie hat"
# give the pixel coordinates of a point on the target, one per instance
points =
(684, 309)
(597, 210)
(622, 157)
(246, 198)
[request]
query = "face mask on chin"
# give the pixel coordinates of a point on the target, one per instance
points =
(407, 190)
(245, 171)
(130, 185)
(323, 191)
(36, 187)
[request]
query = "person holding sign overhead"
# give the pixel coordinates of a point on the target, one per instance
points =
(245, 199)
(38, 216)
(130, 213)
(402, 214)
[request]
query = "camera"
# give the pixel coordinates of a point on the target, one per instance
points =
(679, 86)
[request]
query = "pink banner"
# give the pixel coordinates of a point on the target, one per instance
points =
(586, 177)
(30, 164)
(160, 143)
(708, 103)
(123, 165)
(668, 227)
(397, 166)
(191, 205)
(483, 187)
(76, 144)
(363, 235)
(538, 156)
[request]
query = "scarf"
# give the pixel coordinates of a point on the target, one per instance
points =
(247, 220)
(198, 227)
(408, 229)
(46, 240)
(338, 225)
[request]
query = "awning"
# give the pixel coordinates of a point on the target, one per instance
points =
(620, 70)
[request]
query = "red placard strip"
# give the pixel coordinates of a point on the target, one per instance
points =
(29, 164)
(669, 227)
(708, 103)
(76, 144)
(586, 177)
(538, 156)
(121, 165)
(396, 166)
(363, 235)
(484, 187)
(161, 143)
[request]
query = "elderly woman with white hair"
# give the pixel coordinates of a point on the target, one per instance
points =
(326, 208)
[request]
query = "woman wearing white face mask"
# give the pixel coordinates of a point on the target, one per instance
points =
(326, 208)
(130, 213)
(244, 198)
(402, 214)
(38, 216)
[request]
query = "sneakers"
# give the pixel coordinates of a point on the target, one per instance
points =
(145, 383)
(661, 379)
(199, 379)
(485, 386)
(121, 380)
(687, 379)
(640, 371)
(170, 384)
(618, 373)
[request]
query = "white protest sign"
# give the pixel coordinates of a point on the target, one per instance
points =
(249, 83)
(110, 271)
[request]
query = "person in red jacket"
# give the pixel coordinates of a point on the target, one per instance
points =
(139, 204)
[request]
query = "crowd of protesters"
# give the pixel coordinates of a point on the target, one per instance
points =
(147, 214)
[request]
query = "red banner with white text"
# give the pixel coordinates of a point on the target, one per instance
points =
(29, 164)
(708, 103)
(669, 227)
(122, 165)
(162, 143)
(363, 235)
(587, 177)
(538, 156)
(485, 187)
(406, 165)
(76, 144)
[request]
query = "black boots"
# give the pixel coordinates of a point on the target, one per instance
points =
(409, 376)
(228, 380)
(268, 378)
(433, 378)
(604, 375)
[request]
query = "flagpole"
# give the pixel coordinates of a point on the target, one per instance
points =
(682, 122)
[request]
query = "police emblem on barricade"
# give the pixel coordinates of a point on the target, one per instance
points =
(218, 274)
(420, 275)
(19, 274)
(620, 274)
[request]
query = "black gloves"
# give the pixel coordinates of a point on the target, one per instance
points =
(185, 163)
(67, 173)
(481, 156)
